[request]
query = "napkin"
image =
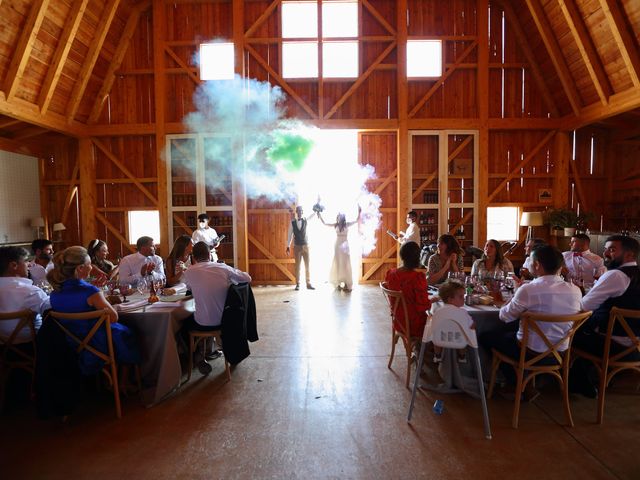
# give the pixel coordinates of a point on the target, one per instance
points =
(125, 307)
(164, 304)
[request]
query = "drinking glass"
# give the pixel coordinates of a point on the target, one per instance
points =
(142, 286)
(125, 289)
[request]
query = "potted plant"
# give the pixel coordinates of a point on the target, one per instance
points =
(562, 218)
(582, 221)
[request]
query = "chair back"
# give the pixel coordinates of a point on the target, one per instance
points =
(396, 301)
(530, 322)
(23, 319)
(621, 316)
(102, 320)
(449, 329)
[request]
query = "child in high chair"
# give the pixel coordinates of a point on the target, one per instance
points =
(452, 295)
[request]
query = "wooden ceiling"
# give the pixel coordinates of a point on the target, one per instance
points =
(59, 58)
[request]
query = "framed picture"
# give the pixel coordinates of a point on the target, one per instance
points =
(544, 195)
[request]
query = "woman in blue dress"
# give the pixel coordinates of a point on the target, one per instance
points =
(72, 294)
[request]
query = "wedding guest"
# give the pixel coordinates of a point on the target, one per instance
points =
(41, 265)
(491, 262)
(178, 260)
(98, 252)
(529, 246)
(143, 263)
(581, 264)
(448, 258)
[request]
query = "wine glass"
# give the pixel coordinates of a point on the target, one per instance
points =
(142, 286)
(125, 289)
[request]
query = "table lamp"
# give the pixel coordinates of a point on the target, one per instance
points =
(57, 230)
(530, 220)
(37, 223)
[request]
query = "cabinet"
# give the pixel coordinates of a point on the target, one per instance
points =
(199, 180)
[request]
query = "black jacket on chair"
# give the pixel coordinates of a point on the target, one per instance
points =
(239, 323)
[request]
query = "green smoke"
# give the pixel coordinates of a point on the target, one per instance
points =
(289, 150)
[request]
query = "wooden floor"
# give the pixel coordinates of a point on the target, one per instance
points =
(316, 400)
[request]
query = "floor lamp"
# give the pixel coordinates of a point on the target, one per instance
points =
(531, 220)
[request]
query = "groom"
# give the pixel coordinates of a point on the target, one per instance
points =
(298, 233)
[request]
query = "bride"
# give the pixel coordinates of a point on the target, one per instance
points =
(341, 276)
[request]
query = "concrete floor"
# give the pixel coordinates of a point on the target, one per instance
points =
(316, 400)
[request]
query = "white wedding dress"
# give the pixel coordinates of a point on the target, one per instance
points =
(341, 267)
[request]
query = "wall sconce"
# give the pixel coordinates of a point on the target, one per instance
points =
(57, 230)
(531, 220)
(38, 223)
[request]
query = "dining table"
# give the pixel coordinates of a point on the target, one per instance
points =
(156, 326)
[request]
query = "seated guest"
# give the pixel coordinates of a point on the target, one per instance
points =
(618, 287)
(413, 285)
(451, 293)
(491, 262)
(41, 265)
(547, 294)
(209, 282)
(447, 259)
(178, 260)
(144, 263)
(17, 292)
(71, 294)
(525, 270)
(98, 252)
(581, 264)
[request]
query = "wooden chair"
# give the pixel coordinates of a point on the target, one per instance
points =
(526, 365)
(396, 300)
(610, 364)
(13, 356)
(102, 321)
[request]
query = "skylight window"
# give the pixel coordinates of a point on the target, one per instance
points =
(299, 20)
(424, 58)
(217, 61)
(340, 59)
(300, 59)
(339, 19)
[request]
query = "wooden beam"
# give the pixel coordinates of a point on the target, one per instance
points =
(71, 192)
(92, 56)
(88, 190)
(618, 103)
(29, 132)
(587, 49)
(28, 112)
(402, 173)
(9, 123)
(189, 71)
(116, 61)
(375, 14)
(555, 53)
(275, 262)
(480, 212)
(622, 35)
(62, 52)
(20, 56)
(561, 160)
(582, 198)
(261, 19)
(384, 259)
(115, 231)
(523, 42)
(10, 145)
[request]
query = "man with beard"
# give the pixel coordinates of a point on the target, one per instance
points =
(618, 287)
(43, 254)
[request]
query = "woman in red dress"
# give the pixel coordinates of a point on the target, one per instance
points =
(413, 285)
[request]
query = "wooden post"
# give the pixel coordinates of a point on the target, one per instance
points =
(403, 185)
(483, 113)
(562, 157)
(44, 197)
(88, 190)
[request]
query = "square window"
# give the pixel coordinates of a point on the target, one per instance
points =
(217, 61)
(300, 59)
(340, 59)
(502, 223)
(144, 223)
(424, 58)
(339, 19)
(299, 19)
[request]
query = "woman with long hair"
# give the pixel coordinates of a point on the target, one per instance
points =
(98, 252)
(492, 261)
(447, 259)
(413, 285)
(178, 260)
(341, 276)
(72, 294)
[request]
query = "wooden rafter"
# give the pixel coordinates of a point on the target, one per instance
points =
(124, 170)
(381, 261)
(582, 198)
(393, 176)
(25, 45)
(521, 164)
(71, 192)
(182, 223)
(92, 56)
(618, 103)
(188, 70)
(261, 19)
(360, 79)
(378, 17)
(62, 52)
(523, 43)
(116, 61)
(587, 49)
(270, 256)
(280, 81)
(624, 40)
(555, 53)
(29, 132)
(28, 112)
(442, 79)
(105, 221)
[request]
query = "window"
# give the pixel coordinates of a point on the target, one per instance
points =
(424, 58)
(502, 223)
(217, 61)
(300, 49)
(144, 223)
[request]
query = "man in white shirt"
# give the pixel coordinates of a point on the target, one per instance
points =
(412, 234)
(581, 264)
(209, 282)
(42, 263)
(525, 270)
(548, 293)
(17, 292)
(298, 234)
(205, 233)
(142, 264)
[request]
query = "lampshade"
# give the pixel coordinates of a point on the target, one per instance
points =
(37, 222)
(531, 219)
(58, 227)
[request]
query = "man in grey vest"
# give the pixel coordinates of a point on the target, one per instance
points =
(298, 233)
